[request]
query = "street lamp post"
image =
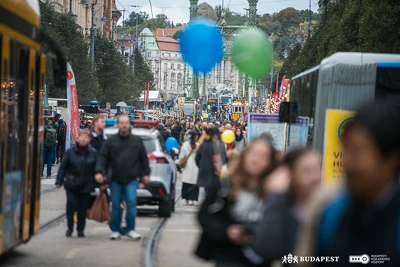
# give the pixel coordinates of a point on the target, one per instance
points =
(72, 15)
(92, 29)
(92, 32)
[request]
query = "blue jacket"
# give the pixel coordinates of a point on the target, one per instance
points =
(77, 164)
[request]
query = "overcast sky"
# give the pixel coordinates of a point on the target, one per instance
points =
(178, 10)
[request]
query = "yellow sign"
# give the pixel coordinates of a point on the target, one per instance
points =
(335, 124)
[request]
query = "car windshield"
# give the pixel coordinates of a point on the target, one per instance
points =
(149, 144)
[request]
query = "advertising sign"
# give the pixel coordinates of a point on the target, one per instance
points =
(336, 123)
(259, 123)
(74, 125)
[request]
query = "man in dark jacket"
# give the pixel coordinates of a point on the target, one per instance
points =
(98, 137)
(125, 156)
(176, 131)
(164, 133)
(197, 127)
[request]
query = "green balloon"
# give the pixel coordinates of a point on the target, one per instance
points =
(252, 52)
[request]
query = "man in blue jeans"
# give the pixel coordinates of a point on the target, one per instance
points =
(124, 160)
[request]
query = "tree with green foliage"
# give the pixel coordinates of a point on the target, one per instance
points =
(142, 70)
(350, 26)
(66, 33)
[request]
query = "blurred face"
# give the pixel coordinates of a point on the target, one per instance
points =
(228, 127)
(257, 158)
(238, 132)
(100, 124)
(187, 125)
(124, 125)
(84, 140)
(221, 129)
(368, 173)
(307, 174)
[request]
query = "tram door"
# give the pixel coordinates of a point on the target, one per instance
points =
(20, 155)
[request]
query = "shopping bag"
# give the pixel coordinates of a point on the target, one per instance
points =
(100, 211)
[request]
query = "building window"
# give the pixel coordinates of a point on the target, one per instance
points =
(172, 66)
(178, 67)
(148, 55)
(180, 80)
(165, 66)
(173, 77)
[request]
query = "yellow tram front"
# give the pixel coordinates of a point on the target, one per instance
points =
(22, 75)
(237, 111)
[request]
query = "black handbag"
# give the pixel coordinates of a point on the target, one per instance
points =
(72, 182)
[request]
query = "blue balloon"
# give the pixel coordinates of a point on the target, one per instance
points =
(171, 143)
(201, 45)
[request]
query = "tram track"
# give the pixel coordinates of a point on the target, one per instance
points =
(149, 253)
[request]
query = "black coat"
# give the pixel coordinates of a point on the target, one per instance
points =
(214, 242)
(276, 233)
(176, 131)
(95, 140)
(204, 160)
(81, 165)
(124, 158)
(165, 134)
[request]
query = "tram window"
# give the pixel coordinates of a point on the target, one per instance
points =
(388, 85)
(3, 62)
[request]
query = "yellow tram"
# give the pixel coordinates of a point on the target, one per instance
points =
(237, 111)
(22, 75)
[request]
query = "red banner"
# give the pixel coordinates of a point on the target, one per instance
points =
(73, 106)
(146, 93)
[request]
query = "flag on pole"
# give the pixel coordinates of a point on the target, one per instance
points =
(46, 98)
(73, 127)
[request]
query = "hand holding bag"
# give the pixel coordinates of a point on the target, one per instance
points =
(73, 182)
(184, 161)
(100, 211)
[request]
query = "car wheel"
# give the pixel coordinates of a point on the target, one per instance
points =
(165, 208)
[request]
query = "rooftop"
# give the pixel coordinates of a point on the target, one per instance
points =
(167, 32)
(167, 44)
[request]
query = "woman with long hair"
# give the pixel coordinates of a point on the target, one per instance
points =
(288, 189)
(231, 212)
(211, 149)
(240, 140)
(190, 190)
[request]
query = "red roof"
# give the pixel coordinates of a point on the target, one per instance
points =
(167, 32)
(167, 44)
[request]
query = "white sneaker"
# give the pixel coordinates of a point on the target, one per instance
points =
(115, 236)
(134, 235)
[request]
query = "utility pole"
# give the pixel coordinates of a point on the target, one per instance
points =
(252, 12)
(193, 14)
(123, 35)
(310, 22)
(92, 33)
(70, 14)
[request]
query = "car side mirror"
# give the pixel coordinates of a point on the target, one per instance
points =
(288, 112)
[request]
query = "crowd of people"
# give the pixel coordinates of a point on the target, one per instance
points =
(261, 205)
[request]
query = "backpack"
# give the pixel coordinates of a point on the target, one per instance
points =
(50, 137)
(62, 132)
(330, 221)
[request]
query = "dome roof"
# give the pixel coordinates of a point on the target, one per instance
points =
(205, 10)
